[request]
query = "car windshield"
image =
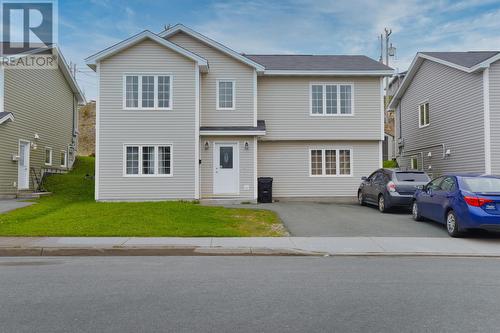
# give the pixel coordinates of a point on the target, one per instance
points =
(482, 184)
(412, 177)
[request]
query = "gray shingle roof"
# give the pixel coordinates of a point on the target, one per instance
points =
(465, 59)
(261, 126)
(317, 62)
(4, 115)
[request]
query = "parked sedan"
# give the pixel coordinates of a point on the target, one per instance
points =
(389, 188)
(461, 202)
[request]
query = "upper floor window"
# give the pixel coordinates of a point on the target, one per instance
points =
(330, 162)
(331, 99)
(423, 115)
(147, 92)
(225, 95)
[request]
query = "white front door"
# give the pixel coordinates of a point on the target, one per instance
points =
(23, 180)
(226, 168)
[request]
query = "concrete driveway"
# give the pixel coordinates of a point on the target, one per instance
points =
(349, 220)
(11, 204)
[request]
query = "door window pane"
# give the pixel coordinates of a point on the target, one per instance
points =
(164, 160)
(132, 167)
(148, 160)
(316, 162)
(148, 91)
(226, 157)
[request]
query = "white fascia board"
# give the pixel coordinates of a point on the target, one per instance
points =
(231, 133)
(8, 117)
(146, 34)
(329, 73)
(179, 27)
(69, 77)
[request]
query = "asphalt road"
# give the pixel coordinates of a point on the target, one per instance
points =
(249, 294)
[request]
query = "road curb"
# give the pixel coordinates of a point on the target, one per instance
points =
(148, 251)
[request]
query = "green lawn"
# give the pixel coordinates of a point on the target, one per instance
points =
(72, 211)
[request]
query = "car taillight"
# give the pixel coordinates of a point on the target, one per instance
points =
(391, 187)
(475, 201)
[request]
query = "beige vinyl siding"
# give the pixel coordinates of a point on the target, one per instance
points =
(221, 66)
(495, 117)
(288, 163)
(456, 119)
(119, 127)
(246, 166)
(284, 103)
(42, 103)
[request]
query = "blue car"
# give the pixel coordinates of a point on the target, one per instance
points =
(461, 202)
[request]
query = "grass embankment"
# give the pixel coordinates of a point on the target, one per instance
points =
(72, 211)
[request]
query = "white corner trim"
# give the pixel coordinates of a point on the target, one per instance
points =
(382, 110)
(197, 133)
(179, 27)
(255, 98)
(487, 121)
(381, 154)
(146, 34)
(255, 173)
(2, 89)
(97, 131)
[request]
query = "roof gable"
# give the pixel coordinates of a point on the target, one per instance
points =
(146, 34)
(181, 28)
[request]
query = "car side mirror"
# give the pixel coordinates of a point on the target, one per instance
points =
(364, 178)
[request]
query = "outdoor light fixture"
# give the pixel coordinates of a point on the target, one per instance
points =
(37, 137)
(429, 155)
(448, 152)
(206, 145)
(246, 145)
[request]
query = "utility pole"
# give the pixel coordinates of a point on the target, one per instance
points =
(386, 51)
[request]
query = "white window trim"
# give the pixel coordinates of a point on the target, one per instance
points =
(139, 91)
(324, 114)
(50, 155)
(156, 165)
(65, 165)
(217, 94)
(337, 161)
(413, 158)
(420, 116)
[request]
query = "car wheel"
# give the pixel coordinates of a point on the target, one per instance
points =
(382, 206)
(452, 224)
(361, 199)
(415, 212)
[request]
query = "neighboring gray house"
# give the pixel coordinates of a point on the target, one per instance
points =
(448, 113)
(181, 116)
(37, 124)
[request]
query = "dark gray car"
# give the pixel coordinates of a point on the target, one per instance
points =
(389, 188)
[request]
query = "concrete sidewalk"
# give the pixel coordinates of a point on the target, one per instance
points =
(90, 246)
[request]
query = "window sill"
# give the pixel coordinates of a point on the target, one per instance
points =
(424, 126)
(332, 115)
(330, 176)
(225, 109)
(147, 176)
(147, 109)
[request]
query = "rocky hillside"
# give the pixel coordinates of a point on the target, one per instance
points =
(86, 128)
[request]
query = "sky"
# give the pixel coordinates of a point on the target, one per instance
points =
(284, 26)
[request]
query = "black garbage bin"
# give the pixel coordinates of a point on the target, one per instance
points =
(265, 190)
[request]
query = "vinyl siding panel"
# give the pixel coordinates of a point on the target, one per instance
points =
(119, 127)
(246, 167)
(42, 103)
(284, 103)
(495, 117)
(222, 66)
(288, 163)
(456, 119)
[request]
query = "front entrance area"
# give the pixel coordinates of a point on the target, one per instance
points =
(226, 163)
(23, 181)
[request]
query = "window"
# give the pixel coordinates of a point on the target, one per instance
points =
(64, 159)
(330, 162)
(225, 95)
(148, 92)
(414, 163)
(148, 160)
(448, 184)
(434, 185)
(423, 115)
(48, 156)
(331, 99)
